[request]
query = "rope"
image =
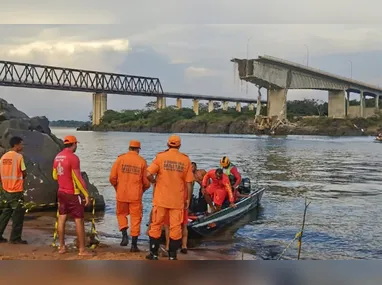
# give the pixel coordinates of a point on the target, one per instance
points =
(296, 237)
(94, 239)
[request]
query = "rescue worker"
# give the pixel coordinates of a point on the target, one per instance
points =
(219, 188)
(129, 178)
(12, 174)
(67, 172)
(173, 177)
(233, 174)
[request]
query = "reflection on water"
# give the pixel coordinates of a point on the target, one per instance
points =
(340, 175)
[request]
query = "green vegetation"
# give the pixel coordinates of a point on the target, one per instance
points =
(149, 117)
(66, 123)
(309, 116)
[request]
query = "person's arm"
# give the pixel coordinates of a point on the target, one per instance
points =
(189, 181)
(237, 176)
(113, 177)
(23, 168)
(145, 181)
(77, 177)
(153, 170)
(205, 180)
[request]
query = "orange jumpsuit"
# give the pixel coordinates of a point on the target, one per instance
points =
(218, 188)
(129, 177)
(173, 170)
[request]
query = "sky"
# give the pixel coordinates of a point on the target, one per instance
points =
(188, 45)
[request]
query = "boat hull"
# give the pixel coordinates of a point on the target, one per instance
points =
(208, 225)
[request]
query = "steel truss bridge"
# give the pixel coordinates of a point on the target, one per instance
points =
(16, 74)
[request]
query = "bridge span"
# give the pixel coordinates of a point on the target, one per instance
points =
(16, 74)
(278, 76)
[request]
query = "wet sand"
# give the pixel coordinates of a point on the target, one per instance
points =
(38, 231)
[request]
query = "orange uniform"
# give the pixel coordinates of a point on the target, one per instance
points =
(218, 188)
(199, 175)
(129, 177)
(173, 170)
(11, 170)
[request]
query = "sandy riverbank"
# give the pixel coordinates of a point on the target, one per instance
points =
(38, 231)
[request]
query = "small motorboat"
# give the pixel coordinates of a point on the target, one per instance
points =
(202, 224)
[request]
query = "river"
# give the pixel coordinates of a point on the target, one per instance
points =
(340, 176)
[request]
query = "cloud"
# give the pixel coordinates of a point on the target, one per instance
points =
(68, 48)
(188, 45)
(192, 71)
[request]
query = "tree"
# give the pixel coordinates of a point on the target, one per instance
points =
(152, 105)
(203, 107)
(217, 105)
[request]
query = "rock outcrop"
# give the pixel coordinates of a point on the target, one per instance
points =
(40, 148)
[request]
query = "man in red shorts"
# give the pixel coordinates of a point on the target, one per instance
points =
(219, 188)
(66, 170)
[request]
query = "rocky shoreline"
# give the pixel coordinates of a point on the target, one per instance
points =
(335, 128)
(40, 148)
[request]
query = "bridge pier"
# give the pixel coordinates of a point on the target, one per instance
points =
(161, 102)
(336, 104)
(251, 107)
(277, 103)
(210, 106)
(238, 107)
(195, 103)
(99, 107)
(179, 103)
(362, 105)
(225, 106)
(377, 102)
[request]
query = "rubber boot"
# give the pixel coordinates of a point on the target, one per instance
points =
(173, 248)
(125, 237)
(154, 247)
(134, 245)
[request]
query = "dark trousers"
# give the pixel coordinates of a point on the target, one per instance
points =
(12, 208)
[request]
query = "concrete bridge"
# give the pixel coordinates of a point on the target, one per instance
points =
(278, 76)
(15, 74)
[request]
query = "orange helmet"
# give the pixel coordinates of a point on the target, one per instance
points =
(224, 162)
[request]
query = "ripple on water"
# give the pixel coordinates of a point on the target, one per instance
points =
(340, 175)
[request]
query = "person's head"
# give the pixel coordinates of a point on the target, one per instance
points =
(224, 162)
(16, 144)
(194, 167)
(219, 173)
(135, 146)
(71, 142)
(174, 142)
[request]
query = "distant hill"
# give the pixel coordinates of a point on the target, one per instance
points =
(67, 123)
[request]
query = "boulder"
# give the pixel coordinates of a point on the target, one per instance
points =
(40, 149)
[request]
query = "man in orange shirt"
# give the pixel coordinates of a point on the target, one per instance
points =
(129, 178)
(219, 188)
(67, 172)
(173, 177)
(12, 174)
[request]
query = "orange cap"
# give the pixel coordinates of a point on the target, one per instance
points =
(135, 144)
(70, 139)
(174, 140)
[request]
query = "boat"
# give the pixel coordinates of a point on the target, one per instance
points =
(203, 224)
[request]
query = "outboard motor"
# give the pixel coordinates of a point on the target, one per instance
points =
(245, 186)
